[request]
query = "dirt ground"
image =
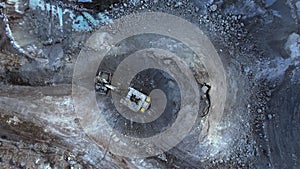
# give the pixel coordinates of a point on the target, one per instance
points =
(257, 42)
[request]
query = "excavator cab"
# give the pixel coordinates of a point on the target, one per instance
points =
(136, 100)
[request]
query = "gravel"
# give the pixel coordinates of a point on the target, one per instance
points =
(259, 47)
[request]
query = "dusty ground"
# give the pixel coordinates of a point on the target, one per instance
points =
(258, 43)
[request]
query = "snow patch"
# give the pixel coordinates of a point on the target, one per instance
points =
(218, 142)
(84, 22)
(276, 68)
(292, 46)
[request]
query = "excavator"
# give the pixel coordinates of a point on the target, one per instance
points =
(134, 100)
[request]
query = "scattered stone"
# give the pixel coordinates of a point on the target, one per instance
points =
(204, 89)
(13, 120)
(213, 8)
(226, 26)
(269, 3)
(269, 93)
(270, 116)
(163, 157)
(178, 4)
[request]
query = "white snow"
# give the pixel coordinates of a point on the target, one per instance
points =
(275, 68)
(292, 46)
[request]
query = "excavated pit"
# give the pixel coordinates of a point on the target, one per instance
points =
(257, 44)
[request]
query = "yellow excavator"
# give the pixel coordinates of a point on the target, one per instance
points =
(134, 100)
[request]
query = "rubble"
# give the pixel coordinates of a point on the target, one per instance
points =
(261, 57)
